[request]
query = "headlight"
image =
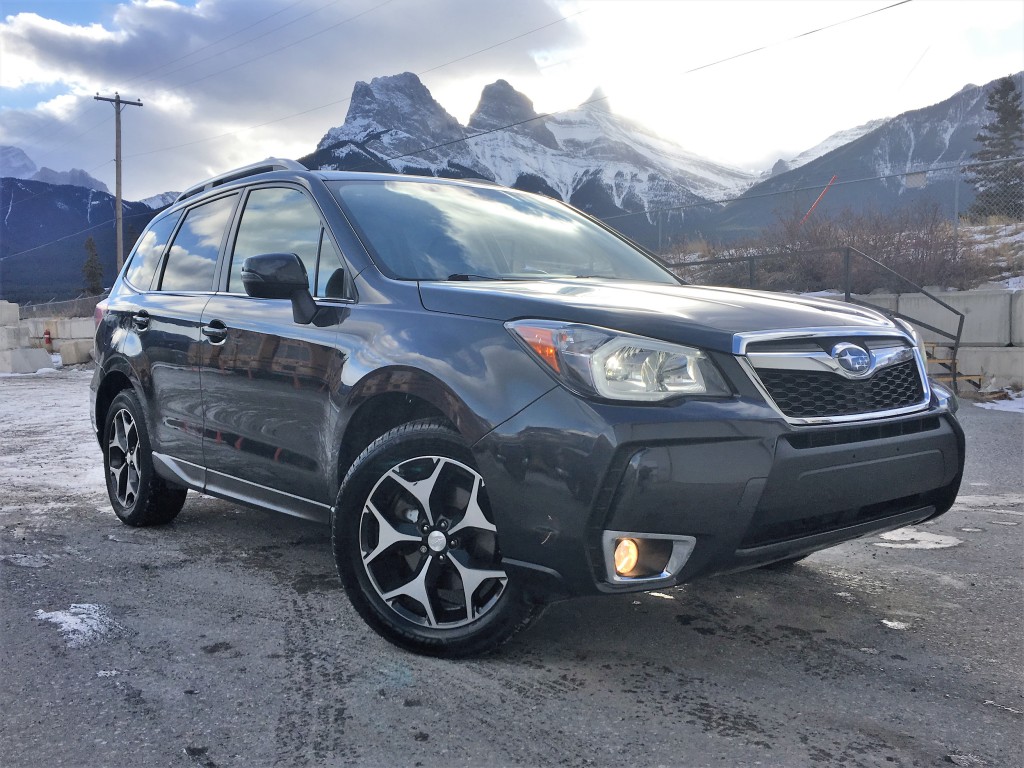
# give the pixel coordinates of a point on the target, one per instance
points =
(618, 366)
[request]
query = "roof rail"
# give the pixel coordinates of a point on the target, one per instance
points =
(265, 166)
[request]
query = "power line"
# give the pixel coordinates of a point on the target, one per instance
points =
(348, 99)
(689, 71)
(811, 188)
(222, 39)
(61, 129)
(280, 48)
(104, 223)
(528, 120)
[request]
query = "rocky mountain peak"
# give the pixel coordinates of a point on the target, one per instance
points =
(15, 163)
(597, 101)
(394, 103)
(76, 177)
(502, 105)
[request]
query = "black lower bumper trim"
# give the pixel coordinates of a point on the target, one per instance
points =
(807, 544)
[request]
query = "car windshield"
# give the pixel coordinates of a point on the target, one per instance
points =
(430, 231)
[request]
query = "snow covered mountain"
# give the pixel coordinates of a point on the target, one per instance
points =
(15, 164)
(604, 164)
(157, 202)
(43, 233)
(834, 141)
(910, 159)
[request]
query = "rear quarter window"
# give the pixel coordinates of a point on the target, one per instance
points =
(145, 258)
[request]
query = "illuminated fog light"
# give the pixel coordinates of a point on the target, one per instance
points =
(636, 560)
(627, 554)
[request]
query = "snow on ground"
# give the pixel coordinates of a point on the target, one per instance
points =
(1015, 404)
(82, 623)
(1015, 283)
(51, 406)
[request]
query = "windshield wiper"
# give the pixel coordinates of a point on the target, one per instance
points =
(467, 276)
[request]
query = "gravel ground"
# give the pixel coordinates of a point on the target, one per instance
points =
(223, 639)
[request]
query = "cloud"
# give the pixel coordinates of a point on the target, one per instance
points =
(228, 82)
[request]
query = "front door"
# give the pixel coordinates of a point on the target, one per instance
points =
(267, 381)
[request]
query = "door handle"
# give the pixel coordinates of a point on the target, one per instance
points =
(215, 331)
(140, 320)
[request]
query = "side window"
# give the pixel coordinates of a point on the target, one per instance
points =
(192, 260)
(276, 220)
(146, 256)
(330, 272)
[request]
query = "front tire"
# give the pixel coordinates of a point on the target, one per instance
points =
(417, 549)
(138, 495)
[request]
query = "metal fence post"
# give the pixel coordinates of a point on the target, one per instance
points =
(956, 212)
(846, 271)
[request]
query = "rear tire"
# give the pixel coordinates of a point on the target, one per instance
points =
(139, 497)
(417, 549)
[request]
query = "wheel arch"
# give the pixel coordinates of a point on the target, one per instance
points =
(111, 385)
(389, 398)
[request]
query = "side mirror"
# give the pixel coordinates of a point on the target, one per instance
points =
(280, 276)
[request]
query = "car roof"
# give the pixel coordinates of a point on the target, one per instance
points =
(271, 165)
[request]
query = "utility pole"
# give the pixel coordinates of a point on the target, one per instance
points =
(119, 104)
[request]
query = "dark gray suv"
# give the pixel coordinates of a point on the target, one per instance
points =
(494, 400)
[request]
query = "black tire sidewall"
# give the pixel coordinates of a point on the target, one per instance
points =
(155, 502)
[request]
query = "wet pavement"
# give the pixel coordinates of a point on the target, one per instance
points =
(224, 640)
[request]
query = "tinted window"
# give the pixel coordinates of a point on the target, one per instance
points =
(192, 260)
(146, 255)
(428, 231)
(276, 221)
(330, 273)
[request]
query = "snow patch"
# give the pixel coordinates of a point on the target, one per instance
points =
(911, 538)
(1014, 405)
(82, 623)
(891, 624)
(28, 561)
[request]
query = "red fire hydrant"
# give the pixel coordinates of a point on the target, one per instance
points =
(48, 340)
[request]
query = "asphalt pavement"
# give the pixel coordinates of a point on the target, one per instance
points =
(224, 639)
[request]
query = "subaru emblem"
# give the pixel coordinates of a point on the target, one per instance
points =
(852, 359)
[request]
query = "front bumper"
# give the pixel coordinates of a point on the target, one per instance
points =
(729, 476)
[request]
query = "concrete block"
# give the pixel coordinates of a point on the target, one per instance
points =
(36, 326)
(75, 351)
(1017, 319)
(24, 360)
(13, 336)
(1000, 366)
(75, 328)
(986, 315)
(8, 313)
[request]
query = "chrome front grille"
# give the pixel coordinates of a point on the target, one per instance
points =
(820, 394)
(829, 376)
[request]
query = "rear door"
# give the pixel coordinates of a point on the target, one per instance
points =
(268, 381)
(166, 325)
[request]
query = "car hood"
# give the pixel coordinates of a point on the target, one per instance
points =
(707, 317)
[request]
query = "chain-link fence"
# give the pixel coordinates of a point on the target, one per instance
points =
(83, 306)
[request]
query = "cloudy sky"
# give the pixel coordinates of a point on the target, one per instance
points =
(228, 82)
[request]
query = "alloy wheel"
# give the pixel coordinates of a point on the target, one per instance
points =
(427, 544)
(123, 459)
